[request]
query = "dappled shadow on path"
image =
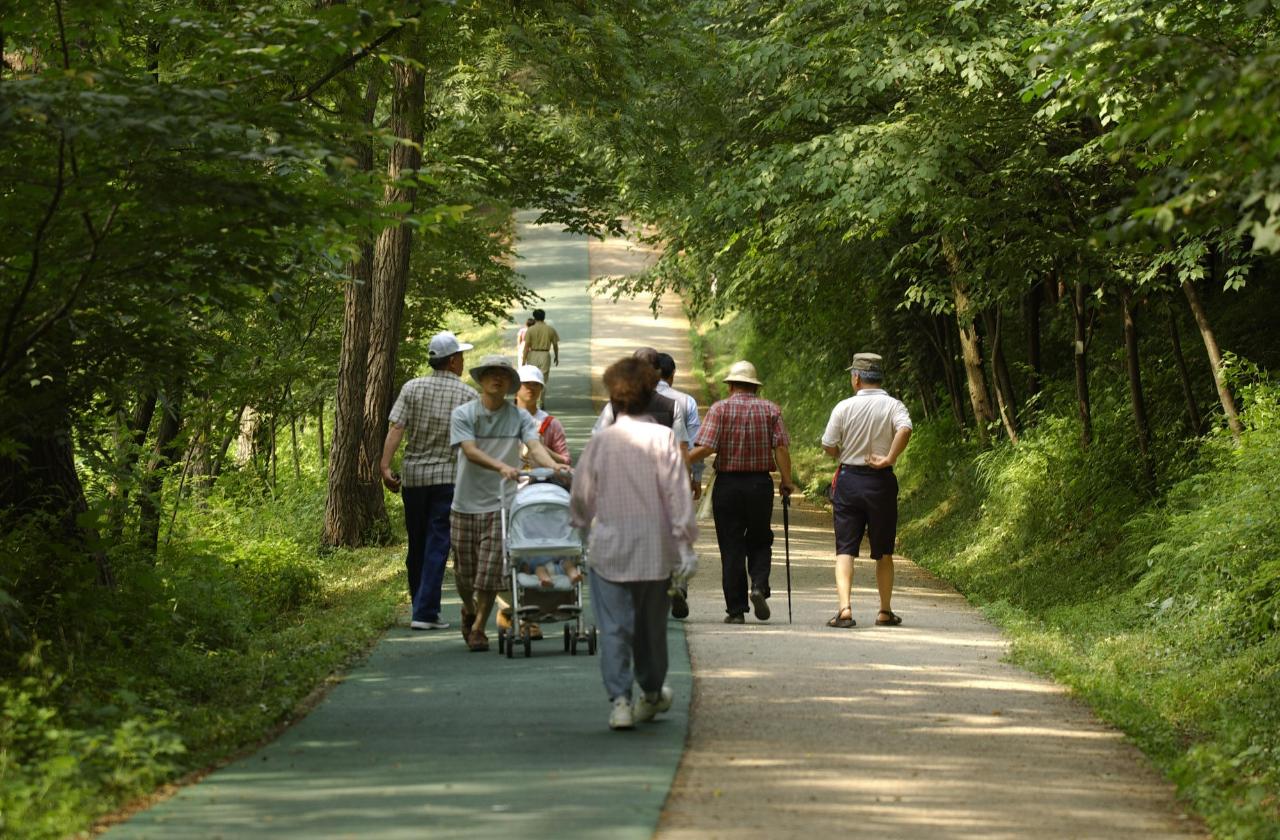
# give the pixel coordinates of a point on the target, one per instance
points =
(918, 730)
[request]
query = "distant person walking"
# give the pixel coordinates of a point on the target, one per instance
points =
(520, 336)
(631, 491)
(749, 440)
(866, 434)
(422, 413)
(541, 347)
(489, 433)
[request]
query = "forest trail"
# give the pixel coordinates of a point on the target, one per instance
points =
(796, 729)
(425, 739)
(915, 731)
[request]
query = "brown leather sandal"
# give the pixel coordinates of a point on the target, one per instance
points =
(892, 621)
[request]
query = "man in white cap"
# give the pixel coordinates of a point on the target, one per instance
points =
(422, 413)
(749, 440)
(489, 433)
(866, 434)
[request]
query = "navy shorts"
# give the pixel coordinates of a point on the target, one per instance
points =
(865, 501)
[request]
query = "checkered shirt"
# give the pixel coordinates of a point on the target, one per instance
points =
(424, 408)
(743, 430)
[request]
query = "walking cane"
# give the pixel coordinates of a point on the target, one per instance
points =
(786, 541)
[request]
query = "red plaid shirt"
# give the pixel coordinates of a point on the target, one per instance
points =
(743, 430)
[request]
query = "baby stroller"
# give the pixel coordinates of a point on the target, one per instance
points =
(537, 525)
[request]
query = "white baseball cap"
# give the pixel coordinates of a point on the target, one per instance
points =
(531, 373)
(445, 344)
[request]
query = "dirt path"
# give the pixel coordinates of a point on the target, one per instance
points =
(921, 730)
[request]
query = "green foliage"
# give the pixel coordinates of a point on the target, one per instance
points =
(189, 659)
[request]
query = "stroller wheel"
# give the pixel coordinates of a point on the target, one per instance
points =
(511, 646)
(591, 641)
(528, 643)
(567, 634)
(502, 640)
(573, 645)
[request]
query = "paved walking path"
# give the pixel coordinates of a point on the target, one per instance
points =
(796, 730)
(426, 739)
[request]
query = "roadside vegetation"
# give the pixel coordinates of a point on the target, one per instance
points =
(1160, 611)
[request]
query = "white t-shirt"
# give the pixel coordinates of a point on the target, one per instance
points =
(499, 434)
(865, 424)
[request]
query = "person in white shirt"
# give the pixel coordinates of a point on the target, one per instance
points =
(866, 434)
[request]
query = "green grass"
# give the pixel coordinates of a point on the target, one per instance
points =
(1160, 613)
(187, 662)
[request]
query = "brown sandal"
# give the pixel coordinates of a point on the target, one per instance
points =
(892, 621)
(838, 621)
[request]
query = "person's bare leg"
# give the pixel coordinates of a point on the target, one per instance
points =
(844, 579)
(571, 569)
(884, 581)
(484, 605)
(544, 576)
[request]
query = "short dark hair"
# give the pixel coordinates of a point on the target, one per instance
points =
(529, 323)
(539, 315)
(666, 366)
(441, 362)
(630, 383)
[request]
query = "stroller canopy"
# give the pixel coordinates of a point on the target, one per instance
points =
(539, 523)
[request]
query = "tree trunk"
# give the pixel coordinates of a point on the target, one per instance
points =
(390, 279)
(344, 510)
(130, 450)
(1133, 364)
(950, 351)
(1195, 420)
(1005, 400)
(1215, 358)
(220, 457)
(1079, 301)
(971, 350)
(247, 443)
(320, 433)
(1031, 303)
(165, 454)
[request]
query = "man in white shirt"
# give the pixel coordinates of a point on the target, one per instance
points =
(866, 434)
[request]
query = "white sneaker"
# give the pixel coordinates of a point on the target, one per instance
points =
(647, 709)
(429, 625)
(620, 716)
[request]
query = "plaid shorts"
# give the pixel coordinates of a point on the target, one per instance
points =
(477, 545)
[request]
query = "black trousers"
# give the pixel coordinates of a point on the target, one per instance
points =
(742, 504)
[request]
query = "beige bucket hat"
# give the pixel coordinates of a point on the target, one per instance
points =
(742, 371)
(493, 362)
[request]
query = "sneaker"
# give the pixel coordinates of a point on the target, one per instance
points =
(646, 707)
(734, 618)
(760, 605)
(620, 716)
(429, 625)
(679, 603)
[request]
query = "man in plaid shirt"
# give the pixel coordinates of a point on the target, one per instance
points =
(422, 413)
(749, 440)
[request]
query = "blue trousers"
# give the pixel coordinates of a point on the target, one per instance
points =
(426, 518)
(633, 629)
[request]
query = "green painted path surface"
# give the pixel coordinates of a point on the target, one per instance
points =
(426, 739)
